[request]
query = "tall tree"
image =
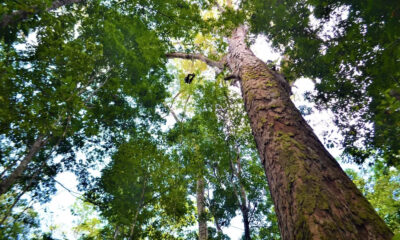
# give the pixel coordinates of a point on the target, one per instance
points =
(140, 192)
(313, 196)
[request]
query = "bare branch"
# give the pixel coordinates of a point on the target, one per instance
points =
(192, 56)
(172, 112)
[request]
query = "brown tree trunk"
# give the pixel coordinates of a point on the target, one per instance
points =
(9, 181)
(20, 15)
(313, 197)
(201, 210)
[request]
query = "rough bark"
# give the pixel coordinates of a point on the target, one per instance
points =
(21, 15)
(201, 210)
(9, 181)
(313, 197)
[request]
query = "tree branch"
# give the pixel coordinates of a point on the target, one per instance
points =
(219, 7)
(172, 112)
(7, 182)
(190, 56)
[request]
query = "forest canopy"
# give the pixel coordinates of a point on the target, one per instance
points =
(174, 129)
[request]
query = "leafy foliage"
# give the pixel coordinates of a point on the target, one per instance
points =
(141, 192)
(381, 188)
(209, 142)
(91, 77)
(78, 76)
(18, 218)
(351, 48)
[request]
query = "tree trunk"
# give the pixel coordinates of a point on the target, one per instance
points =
(140, 205)
(246, 222)
(201, 212)
(313, 197)
(242, 197)
(116, 232)
(217, 225)
(9, 181)
(244, 207)
(21, 15)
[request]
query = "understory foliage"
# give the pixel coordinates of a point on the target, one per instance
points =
(381, 185)
(86, 85)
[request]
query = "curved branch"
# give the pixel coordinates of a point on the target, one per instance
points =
(190, 56)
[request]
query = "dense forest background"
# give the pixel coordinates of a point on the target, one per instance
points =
(147, 104)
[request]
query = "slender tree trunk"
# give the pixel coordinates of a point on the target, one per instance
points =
(201, 211)
(141, 204)
(242, 197)
(243, 206)
(20, 15)
(116, 232)
(9, 210)
(16, 200)
(9, 181)
(132, 232)
(313, 197)
(217, 225)
(245, 213)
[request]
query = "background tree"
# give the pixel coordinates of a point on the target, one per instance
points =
(211, 140)
(91, 75)
(88, 226)
(141, 194)
(380, 185)
(18, 218)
